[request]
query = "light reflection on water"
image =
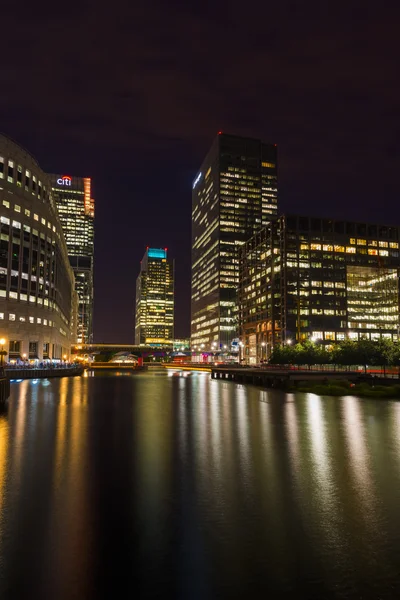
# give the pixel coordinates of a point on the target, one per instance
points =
(196, 488)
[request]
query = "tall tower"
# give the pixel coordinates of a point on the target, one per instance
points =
(234, 195)
(154, 308)
(76, 211)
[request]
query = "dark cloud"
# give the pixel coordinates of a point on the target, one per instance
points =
(133, 93)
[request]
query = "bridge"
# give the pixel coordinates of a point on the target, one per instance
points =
(112, 349)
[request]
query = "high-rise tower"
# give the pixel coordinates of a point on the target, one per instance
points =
(234, 195)
(76, 211)
(155, 299)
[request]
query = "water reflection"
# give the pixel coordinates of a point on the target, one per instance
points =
(197, 488)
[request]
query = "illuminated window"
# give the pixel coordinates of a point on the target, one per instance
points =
(11, 317)
(393, 244)
(36, 217)
(329, 335)
(350, 250)
(339, 248)
(6, 203)
(27, 213)
(352, 241)
(372, 251)
(17, 208)
(362, 242)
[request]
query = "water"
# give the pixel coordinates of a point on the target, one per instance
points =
(151, 485)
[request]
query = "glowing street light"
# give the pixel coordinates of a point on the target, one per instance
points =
(289, 341)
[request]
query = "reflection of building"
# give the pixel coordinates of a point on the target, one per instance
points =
(155, 299)
(308, 278)
(76, 209)
(37, 298)
(234, 195)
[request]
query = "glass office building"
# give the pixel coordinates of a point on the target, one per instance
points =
(154, 307)
(320, 279)
(234, 195)
(76, 210)
(37, 297)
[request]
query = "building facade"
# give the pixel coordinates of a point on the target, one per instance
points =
(321, 279)
(234, 195)
(76, 210)
(37, 298)
(154, 307)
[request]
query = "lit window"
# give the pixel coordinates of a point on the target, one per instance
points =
(372, 251)
(11, 316)
(339, 248)
(352, 241)
(1, 316)
(39, 320)
(350, 250)
(31, 319)
(383, 244)
(6, 203)
(27, 213)
(393, 244)
(36, 217)
(5, 221)
(22, 319)
(362, 242)
(17, 208)
(329, 335)
(43, 221)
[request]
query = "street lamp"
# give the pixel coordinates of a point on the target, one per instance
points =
(2, 342)
(289, 342)
(24, 356)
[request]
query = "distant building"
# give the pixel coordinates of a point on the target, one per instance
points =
(154, 309)
(234, 195)
(321, 279)
(76, 210)
(37, 297)
(181, 345)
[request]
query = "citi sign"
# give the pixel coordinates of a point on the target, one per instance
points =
(65, 180)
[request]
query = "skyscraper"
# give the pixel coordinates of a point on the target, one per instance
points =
(37, 296)
(308, 278)
(76, 211)
(155, 298)
(234, 195)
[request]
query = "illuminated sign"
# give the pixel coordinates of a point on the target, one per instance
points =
(156, 253)
(65, 180)
(196, 181)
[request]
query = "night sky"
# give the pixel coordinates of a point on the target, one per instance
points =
(132, 94)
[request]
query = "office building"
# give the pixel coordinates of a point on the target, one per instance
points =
(234, 195)
(307, 278)
(154, 309)
(76, 210)
(37, 298)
